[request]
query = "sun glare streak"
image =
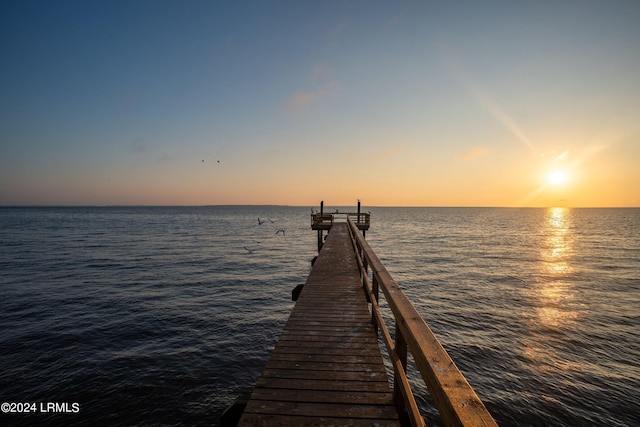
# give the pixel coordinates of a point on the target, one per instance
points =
(505, 119)
(492, 107)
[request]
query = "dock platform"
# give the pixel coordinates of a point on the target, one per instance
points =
(326, 368)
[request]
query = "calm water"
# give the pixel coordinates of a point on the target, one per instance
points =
(147, 316)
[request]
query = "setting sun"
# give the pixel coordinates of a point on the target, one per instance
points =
(557, 177)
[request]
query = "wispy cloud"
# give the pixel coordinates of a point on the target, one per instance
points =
(139, 146)
(320, 88)
(474, 153)
(321, 72)
(303, 99)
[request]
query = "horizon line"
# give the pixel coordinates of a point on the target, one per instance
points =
(21, 206)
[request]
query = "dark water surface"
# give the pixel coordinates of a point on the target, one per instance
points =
(163, 316)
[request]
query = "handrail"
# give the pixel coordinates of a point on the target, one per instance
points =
(452, 395)
(406, 402)
(360, 218)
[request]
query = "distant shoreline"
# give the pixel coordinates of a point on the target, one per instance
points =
(328, 207)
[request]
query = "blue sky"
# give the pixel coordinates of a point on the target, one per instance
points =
(394, 103)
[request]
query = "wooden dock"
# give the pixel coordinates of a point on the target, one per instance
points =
(326, 368)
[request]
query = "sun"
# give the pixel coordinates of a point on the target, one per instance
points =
(557, 177)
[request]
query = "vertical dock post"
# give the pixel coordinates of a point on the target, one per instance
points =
(401, 351)
(364, 232)
(320, 231)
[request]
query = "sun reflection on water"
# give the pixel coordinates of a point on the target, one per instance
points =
(554, 292)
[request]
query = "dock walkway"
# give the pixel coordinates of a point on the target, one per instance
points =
(326, 368)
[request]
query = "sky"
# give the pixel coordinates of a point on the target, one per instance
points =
(421, 103)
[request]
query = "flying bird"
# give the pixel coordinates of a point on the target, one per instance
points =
(280, 230)
(248, 250)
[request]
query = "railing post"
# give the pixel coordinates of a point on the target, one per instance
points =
(401, 352)
(376, 293)
(363, 258)
(365, 263)
(363, 271)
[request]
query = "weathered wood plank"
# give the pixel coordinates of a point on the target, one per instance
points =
(350, 347)
(356, 328)
(330, 335)
(344, 397)
(356, 359)
(315, 409)
(302, 384)
(284, 420)
(372, 376)
(335, 336)
(328, 314)
(336, 333)
(324, 366)
(304, 351)
(322, 339)
(359, 323)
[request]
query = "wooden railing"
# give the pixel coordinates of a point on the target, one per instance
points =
(452, 395)
(321, 220)
(326, 220)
